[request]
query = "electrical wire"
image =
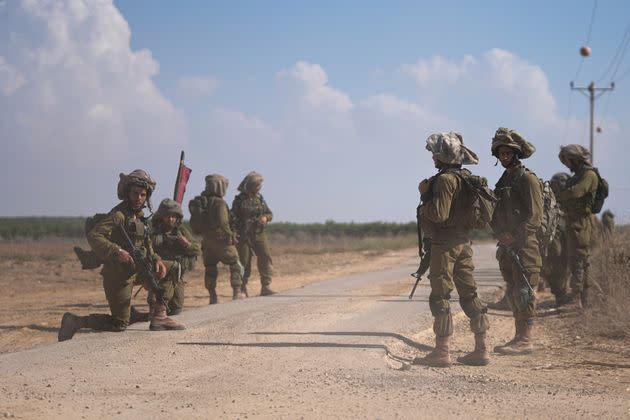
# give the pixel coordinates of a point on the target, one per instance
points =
(615, 59)
(588, 39)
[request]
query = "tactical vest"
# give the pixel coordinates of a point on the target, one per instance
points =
(245, 214)
(581, 206)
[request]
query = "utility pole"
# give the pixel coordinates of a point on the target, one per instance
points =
(591, 95)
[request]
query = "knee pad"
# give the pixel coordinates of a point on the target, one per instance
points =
(439, 304)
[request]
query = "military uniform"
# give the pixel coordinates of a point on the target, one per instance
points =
(108, 241)
(576, 200)
(246, 211)
(218, 238)
(518, 216)
(608, 223)
(443, 215)
(178, 258)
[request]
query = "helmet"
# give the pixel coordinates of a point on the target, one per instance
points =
(449, 148)
(139, 178)
(574, 151)
(216, 184)
(512, 139)
(168, 206)
(558, 182)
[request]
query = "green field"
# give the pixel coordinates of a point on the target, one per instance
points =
(12, 228)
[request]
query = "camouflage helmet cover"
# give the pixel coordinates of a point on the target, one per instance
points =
(251, 179)
(574, 151)
(140, 178)
(558, 182)
(510, 138)
(168, 206)
(216, 184)
(449, 148)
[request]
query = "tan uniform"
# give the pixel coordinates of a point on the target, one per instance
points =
(451, 264)
(519, 213)
(576, 201)
(106, 238)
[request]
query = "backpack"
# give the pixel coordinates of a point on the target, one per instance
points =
(600, 194)
(198, 208)
(482, 200)
(550, 218)
(88, 258)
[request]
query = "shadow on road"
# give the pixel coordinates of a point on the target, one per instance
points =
(30, 327)
(288, 345)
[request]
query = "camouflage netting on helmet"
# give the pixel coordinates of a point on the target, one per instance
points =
(449, 148)
(168, 206)
(216, 184)
(558, 182)
(139, 178)
(251, 180)
(510, 138)
(574, 151)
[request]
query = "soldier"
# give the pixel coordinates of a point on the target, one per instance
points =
(174, 243)
(576, 200)
(608, 223)
(555, 263)
(119, 271)
(250, 215)
(444, 215)
(218, 238)
(516, 219)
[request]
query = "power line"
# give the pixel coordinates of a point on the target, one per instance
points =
(620, 48)
(593, 93)
(588, 39)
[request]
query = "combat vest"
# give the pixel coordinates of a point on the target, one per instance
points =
(245, 213)
(167, 246)
(585, 205)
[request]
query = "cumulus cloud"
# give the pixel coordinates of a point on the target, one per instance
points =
(438, 70)
(74, 96)
(194, 87)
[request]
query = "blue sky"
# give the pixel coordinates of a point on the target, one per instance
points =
(330, 101)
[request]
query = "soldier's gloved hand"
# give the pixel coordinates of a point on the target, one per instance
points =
(124, 257)
(160, 269)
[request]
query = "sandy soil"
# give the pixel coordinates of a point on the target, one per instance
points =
(322, 349)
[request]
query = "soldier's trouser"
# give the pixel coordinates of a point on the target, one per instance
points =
(260, 247)
(578, 243)
(557, 276)
(452, 265)
(214, 252)
(177, 302)
(168, 283)
(118, 285)
(521, 298)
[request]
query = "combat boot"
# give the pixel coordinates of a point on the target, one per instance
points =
(501, 305)
(244, 289)
(266, 291)
(137, 316)
(480, 355)
(159, 320)
(518, 326)
(236, 293)
(213, 297)
(439, 357)
(70, 324)
(574, 301)
(524, 344)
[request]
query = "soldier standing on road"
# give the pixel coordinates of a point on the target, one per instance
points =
(576, 200)
(444, 214)
(218, 238)
(250, 215)
(555, 263)
(174, 243)
(516, 219)
(119, 271)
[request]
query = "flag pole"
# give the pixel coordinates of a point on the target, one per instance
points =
(179, 172)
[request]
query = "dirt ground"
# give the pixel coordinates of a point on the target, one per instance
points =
(41, 281)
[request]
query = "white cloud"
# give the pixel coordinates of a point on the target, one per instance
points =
(193, 87)
(74, 96)
(311, 84)
(438, 70)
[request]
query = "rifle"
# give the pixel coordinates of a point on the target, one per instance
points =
(424, 264)
(145, 267)
(517, 261)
